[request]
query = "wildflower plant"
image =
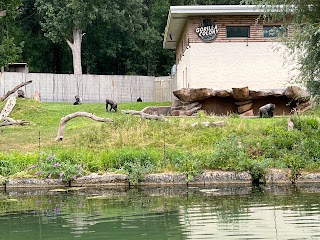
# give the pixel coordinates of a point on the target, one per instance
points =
(54, 168)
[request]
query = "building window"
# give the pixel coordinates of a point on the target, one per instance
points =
(238, 32)
(273, 31)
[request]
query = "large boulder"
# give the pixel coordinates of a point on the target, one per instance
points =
(193, 95)
(198, 94)
(185, 108)
(244, 108)
(297, 93)
(266, 93)
(159, 110)
(241, 93)
(249, 113)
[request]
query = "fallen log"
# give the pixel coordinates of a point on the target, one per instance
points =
(8, 108)
(208, 124)
(154, 117)
(14, 122)
(65, 119)
(4, 97)
(132, 112)
(144, 115)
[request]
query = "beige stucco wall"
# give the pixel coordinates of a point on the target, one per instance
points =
(258, 65)
(183, 71)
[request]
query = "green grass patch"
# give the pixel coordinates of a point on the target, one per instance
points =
(138, 146)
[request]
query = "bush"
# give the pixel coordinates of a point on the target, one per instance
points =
(6, 168)
(296, 164)
(52, 167)
(257, 169)
(227, 153)
(188, 163)
(135, 163)
(305, 123)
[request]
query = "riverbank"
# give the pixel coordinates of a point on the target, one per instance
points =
(207, 178)
(135, 148)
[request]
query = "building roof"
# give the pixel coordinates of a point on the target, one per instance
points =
(178, 15)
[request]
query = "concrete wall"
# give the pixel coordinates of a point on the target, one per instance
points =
(258, 65)
(164, 86)
(183, 71)
(91, 88)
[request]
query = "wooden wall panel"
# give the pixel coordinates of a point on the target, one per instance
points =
(189, 34)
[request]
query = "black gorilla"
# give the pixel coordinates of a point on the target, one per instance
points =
(113, 105)
(78, 100)
(267, 110)
(139, 99)
(20, 93)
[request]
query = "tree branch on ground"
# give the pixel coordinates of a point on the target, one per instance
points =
(5, 113)
(4, 97)
(10, 121)
(7, 109)
(65, 119)
(144, 115)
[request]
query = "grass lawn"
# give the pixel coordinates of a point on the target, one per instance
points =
(134, 145)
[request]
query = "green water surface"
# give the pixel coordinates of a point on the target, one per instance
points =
(225, 212)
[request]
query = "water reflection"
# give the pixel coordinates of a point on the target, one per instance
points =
(224, 212)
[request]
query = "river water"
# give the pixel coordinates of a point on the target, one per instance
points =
(215, 212)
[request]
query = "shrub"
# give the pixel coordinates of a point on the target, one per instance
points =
(257, 169)
(6, 168)
(296, 164)
(305, 123)
(52, 167)
(284, 139)
(188, 163)
(227, 153)
(136, 163)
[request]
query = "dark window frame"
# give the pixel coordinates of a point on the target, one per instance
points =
(268, 28)
(235, 31)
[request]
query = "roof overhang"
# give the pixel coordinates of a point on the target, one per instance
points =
(178, 15)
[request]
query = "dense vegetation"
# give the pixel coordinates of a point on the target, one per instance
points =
(125, 37)
(134, 146)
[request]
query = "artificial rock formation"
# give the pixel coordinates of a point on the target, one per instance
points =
(243, 101)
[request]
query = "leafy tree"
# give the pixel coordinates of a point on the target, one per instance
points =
(67, 20)
(204, 2)
(126, 43)
(302, 18)
(121, 36)
(9, 49)
(41, 54)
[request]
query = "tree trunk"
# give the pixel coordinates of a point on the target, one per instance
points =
(4, 97)
(8, 108)
(65, 119)
(76, 50)
(144, 115)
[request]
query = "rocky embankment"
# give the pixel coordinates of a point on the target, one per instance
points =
(273, 176)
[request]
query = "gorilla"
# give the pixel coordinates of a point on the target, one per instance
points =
(78, 100)
(113, 105)
(139, 99)
(267, 110)
(20, 93)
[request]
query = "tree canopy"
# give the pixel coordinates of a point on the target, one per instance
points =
(302, 19)
(9, 50)
(120, 36)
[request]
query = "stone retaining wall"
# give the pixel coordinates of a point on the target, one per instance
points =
(273, 176)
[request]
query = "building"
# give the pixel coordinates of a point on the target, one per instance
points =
(226, 46)
(17, 67)
(229, 60)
